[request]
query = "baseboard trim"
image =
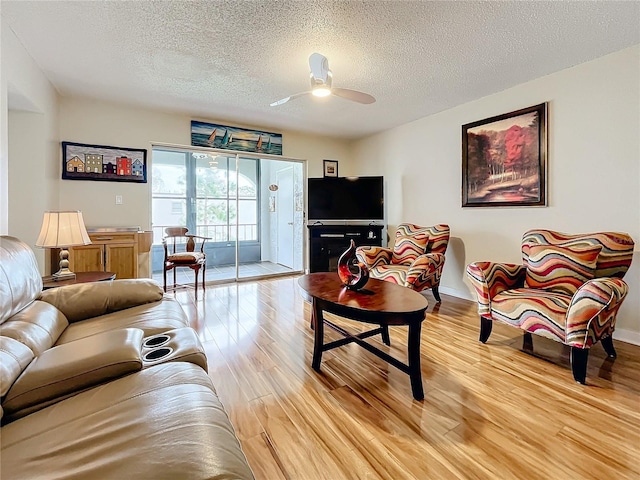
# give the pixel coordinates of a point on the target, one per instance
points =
(456, 293)
(627, 336)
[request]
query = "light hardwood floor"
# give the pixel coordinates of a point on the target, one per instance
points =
(490, 411)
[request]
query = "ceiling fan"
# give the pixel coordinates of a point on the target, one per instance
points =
(321, 78)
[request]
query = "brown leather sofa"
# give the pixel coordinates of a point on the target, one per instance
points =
(104, 381)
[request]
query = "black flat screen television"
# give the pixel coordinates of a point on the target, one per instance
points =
(345, 198)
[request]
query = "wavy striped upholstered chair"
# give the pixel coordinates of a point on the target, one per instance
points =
(415, 261)
(569, 289)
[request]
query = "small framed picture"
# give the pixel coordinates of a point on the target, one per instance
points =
(330, 168)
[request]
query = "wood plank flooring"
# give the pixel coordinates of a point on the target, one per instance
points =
(490, 411)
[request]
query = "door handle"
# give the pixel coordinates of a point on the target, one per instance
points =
(289, 223)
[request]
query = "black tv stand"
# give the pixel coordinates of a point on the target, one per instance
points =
(328, 242)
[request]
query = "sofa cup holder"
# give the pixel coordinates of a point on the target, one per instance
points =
(156, 341)
(157, 354)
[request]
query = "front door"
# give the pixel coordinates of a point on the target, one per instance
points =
(284, 209)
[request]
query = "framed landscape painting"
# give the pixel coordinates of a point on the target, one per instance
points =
(235, 138)
(81, 161)
(504, 159)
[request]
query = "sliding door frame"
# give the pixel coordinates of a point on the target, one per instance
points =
(238, 155)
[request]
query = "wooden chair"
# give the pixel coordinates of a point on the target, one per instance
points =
(180, 251)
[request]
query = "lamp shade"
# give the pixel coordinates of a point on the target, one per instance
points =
(62, 229)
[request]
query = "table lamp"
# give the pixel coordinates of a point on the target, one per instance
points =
(63, 230)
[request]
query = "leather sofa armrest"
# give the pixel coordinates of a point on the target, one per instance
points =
(592, 312)
(88, 300)
(491, 278)
(373, 256)
(73, 367)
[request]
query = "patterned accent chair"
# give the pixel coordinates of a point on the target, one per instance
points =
(569, 288)
(416, 260)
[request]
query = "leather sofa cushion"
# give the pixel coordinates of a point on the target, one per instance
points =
(38, 326)
(74, 367)
(87, 300)
(20, 280)
(162, 422)
(14, 358)
(151, 318)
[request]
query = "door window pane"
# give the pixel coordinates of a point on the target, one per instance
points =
(248, 220)
(213, 218)
(212, 176)
(169, 192)
(198, 190)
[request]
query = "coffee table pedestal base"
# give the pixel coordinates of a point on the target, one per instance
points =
(412, 369)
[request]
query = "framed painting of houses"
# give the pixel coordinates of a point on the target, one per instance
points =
(81, 161)
(504, 159)
(235, 138)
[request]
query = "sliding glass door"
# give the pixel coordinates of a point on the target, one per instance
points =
(250, 206)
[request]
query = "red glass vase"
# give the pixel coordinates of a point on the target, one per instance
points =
(353, 274)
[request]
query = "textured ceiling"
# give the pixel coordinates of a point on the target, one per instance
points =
(228, 60)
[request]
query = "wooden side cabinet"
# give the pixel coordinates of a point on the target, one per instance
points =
(109, 252)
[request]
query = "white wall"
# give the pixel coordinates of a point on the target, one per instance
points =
(4, 141)
(593, 170)
(94, 122)
(30, 145)
(102, 123)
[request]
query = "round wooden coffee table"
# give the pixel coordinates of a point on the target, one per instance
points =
(381, 303)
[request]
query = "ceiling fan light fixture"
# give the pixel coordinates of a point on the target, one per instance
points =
(321, 79)
(321, 91)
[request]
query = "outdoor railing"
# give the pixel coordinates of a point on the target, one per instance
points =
(217, 233)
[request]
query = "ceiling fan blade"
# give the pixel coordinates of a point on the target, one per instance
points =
(319, 66)
(286, 99)
(353, 95)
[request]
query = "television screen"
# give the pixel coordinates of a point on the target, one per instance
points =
(346, 198)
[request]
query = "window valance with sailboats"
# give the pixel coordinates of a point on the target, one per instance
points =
(235, 138)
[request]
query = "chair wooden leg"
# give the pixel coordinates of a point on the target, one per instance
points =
(527, 342)
(164, 275)
(486, 324)
(436, 294)
(579, 358)
(204, 272)
(174, 277)
(197, 270)
(607, 344)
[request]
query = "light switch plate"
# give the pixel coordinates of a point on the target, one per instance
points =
(118, 199)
